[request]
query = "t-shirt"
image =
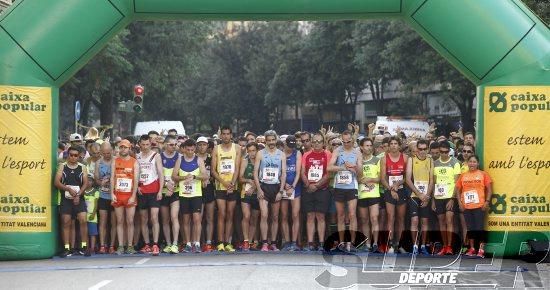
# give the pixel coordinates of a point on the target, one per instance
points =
(471, 186)
(316, 164)
(90, 197)
(371, 169)
(421, 170)
(445, 173)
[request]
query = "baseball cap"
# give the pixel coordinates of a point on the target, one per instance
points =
(75, 137)
(291, 141)
(125, 143)
(202, 139)
(283, 137)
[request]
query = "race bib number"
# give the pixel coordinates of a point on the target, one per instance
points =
(471, 197)
(123, 185)
(76, 188)
(422, 186)
(314, 174)
(188, 188)
(289, 196)
(227, 166)
(395, 179)
(270, 174)
(344, 177)
(368, 188)
(440, 190)
(143, 177)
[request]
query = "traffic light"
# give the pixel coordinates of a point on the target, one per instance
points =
(138, 98)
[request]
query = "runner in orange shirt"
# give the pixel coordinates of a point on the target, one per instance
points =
(475, 190)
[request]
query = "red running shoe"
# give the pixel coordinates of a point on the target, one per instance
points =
(145, 250)
(156, 250)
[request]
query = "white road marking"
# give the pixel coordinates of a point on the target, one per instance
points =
(100, 284)
(142, 261)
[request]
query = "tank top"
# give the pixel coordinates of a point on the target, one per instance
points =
(445, 173)
(104, 173)
(91, 166)
(291, 171)
(227, 161)
(167, 168)
(71, 177)
(124, 175)
(345, 179)
(371, 169)
(209, 184)
(270, 167)
(395, 170)
(148, 176)
(194, 188)
(421, 170)
(248, 174)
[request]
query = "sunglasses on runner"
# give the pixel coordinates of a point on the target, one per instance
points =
(346, 142)
(444, 151)
(305, 140)
(74, 155)
(467, 151)
(422, 149)
(317, 141)
(336, 144)
(170, 144)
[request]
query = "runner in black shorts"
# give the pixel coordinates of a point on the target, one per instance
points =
(249, 198)
(208, 192)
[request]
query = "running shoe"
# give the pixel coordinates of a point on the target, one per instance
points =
(341, 247)
(87, 251)
(293, 247)
(120, 251)
(273, 247)
(197, 248)
(254, 246)
(424, 251)
(351, 248)
(309, 248)
(229, 248)
(246, 246)
(112, 250)
(166, 249)
(443, 251)
(464, 249)
(402, 250)
(481, 253)
(265, 248)
(221, 247)
(102, 250)
(174, 249)
(449, 251)
(187, 249)
(155, 251)
(130, 251)
(471, 252)
(65, 253)
(375, 248)
(145, 250)
(285, 247)
(207, 248)
(415, 250)
(320, 248)
(391, 250)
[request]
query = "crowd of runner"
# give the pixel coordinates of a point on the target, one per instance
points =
(321, 191)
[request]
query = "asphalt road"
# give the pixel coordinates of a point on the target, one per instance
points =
(256, 270)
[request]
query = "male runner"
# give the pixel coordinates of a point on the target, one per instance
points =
(170, 204)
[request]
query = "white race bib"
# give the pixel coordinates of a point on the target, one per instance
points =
(471, 197)
(68, 194)
(227, 166)
(440, 190)
(106, 188)
(314, 174)
(287, 196)
(368, 188)
(422, 186)
(344, 177)
(270, 174)
(188, 188)
(123, 185)
(395, 179)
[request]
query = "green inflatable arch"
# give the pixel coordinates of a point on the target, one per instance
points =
(500, 45)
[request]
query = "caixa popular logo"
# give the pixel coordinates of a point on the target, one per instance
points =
(388, 271)
(500, 102)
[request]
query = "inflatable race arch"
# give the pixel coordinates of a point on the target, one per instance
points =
(499, 45)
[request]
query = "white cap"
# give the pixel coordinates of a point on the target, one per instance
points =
(75, 137)
(202, 139)
(283, 137)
